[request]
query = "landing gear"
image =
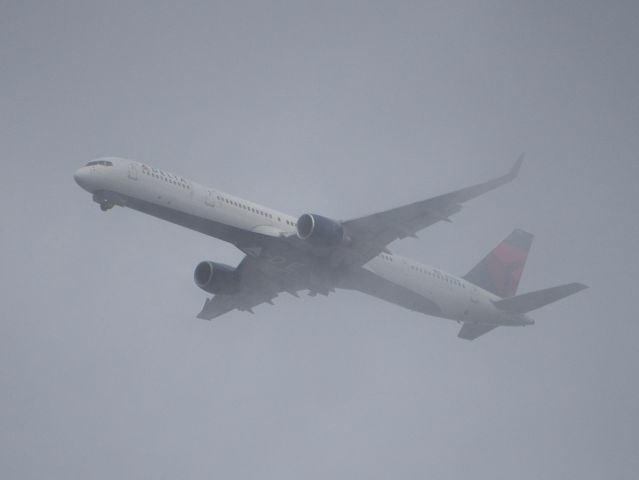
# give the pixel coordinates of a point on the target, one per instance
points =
(106, 205)
(105, 200)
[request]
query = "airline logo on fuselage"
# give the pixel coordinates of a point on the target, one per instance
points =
(156, 171)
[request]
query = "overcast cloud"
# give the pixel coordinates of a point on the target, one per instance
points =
(342, 109)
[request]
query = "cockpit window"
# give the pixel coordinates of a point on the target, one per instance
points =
(105, 163)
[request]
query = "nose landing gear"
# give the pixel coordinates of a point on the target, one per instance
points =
(106, 200)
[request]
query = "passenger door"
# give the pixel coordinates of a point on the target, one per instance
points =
(133, 171)
(210, 198)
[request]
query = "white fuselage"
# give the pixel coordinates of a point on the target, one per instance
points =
(119, 181)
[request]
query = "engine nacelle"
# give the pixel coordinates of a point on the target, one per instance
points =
(216, 278)
(320, 230)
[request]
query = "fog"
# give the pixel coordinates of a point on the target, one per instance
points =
(342, 109)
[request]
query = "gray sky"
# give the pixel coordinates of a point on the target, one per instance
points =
(342, 109)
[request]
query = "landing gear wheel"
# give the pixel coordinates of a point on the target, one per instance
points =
(106, 205)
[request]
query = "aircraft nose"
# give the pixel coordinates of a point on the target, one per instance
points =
(81, 177)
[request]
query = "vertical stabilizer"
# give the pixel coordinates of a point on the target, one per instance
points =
(500, 271)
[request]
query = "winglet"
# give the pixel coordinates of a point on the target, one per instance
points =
(514, 171)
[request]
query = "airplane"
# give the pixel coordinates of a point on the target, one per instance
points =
(317, 254)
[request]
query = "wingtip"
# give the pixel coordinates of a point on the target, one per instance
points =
(514, 171)
(576, 287)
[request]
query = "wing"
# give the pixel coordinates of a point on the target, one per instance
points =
(372, 233)
(255, 288)
(368, 282)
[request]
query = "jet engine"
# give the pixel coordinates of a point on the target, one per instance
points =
(320, 230)
(216, 278)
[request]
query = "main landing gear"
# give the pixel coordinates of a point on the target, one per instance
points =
(106, 205)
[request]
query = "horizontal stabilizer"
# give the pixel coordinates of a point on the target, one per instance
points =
(532, 301)
(470, 331)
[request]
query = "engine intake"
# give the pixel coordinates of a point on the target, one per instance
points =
(320, 230)
(216, 278)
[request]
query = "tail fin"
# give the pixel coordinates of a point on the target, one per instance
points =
(499, 272)
(532, 301)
